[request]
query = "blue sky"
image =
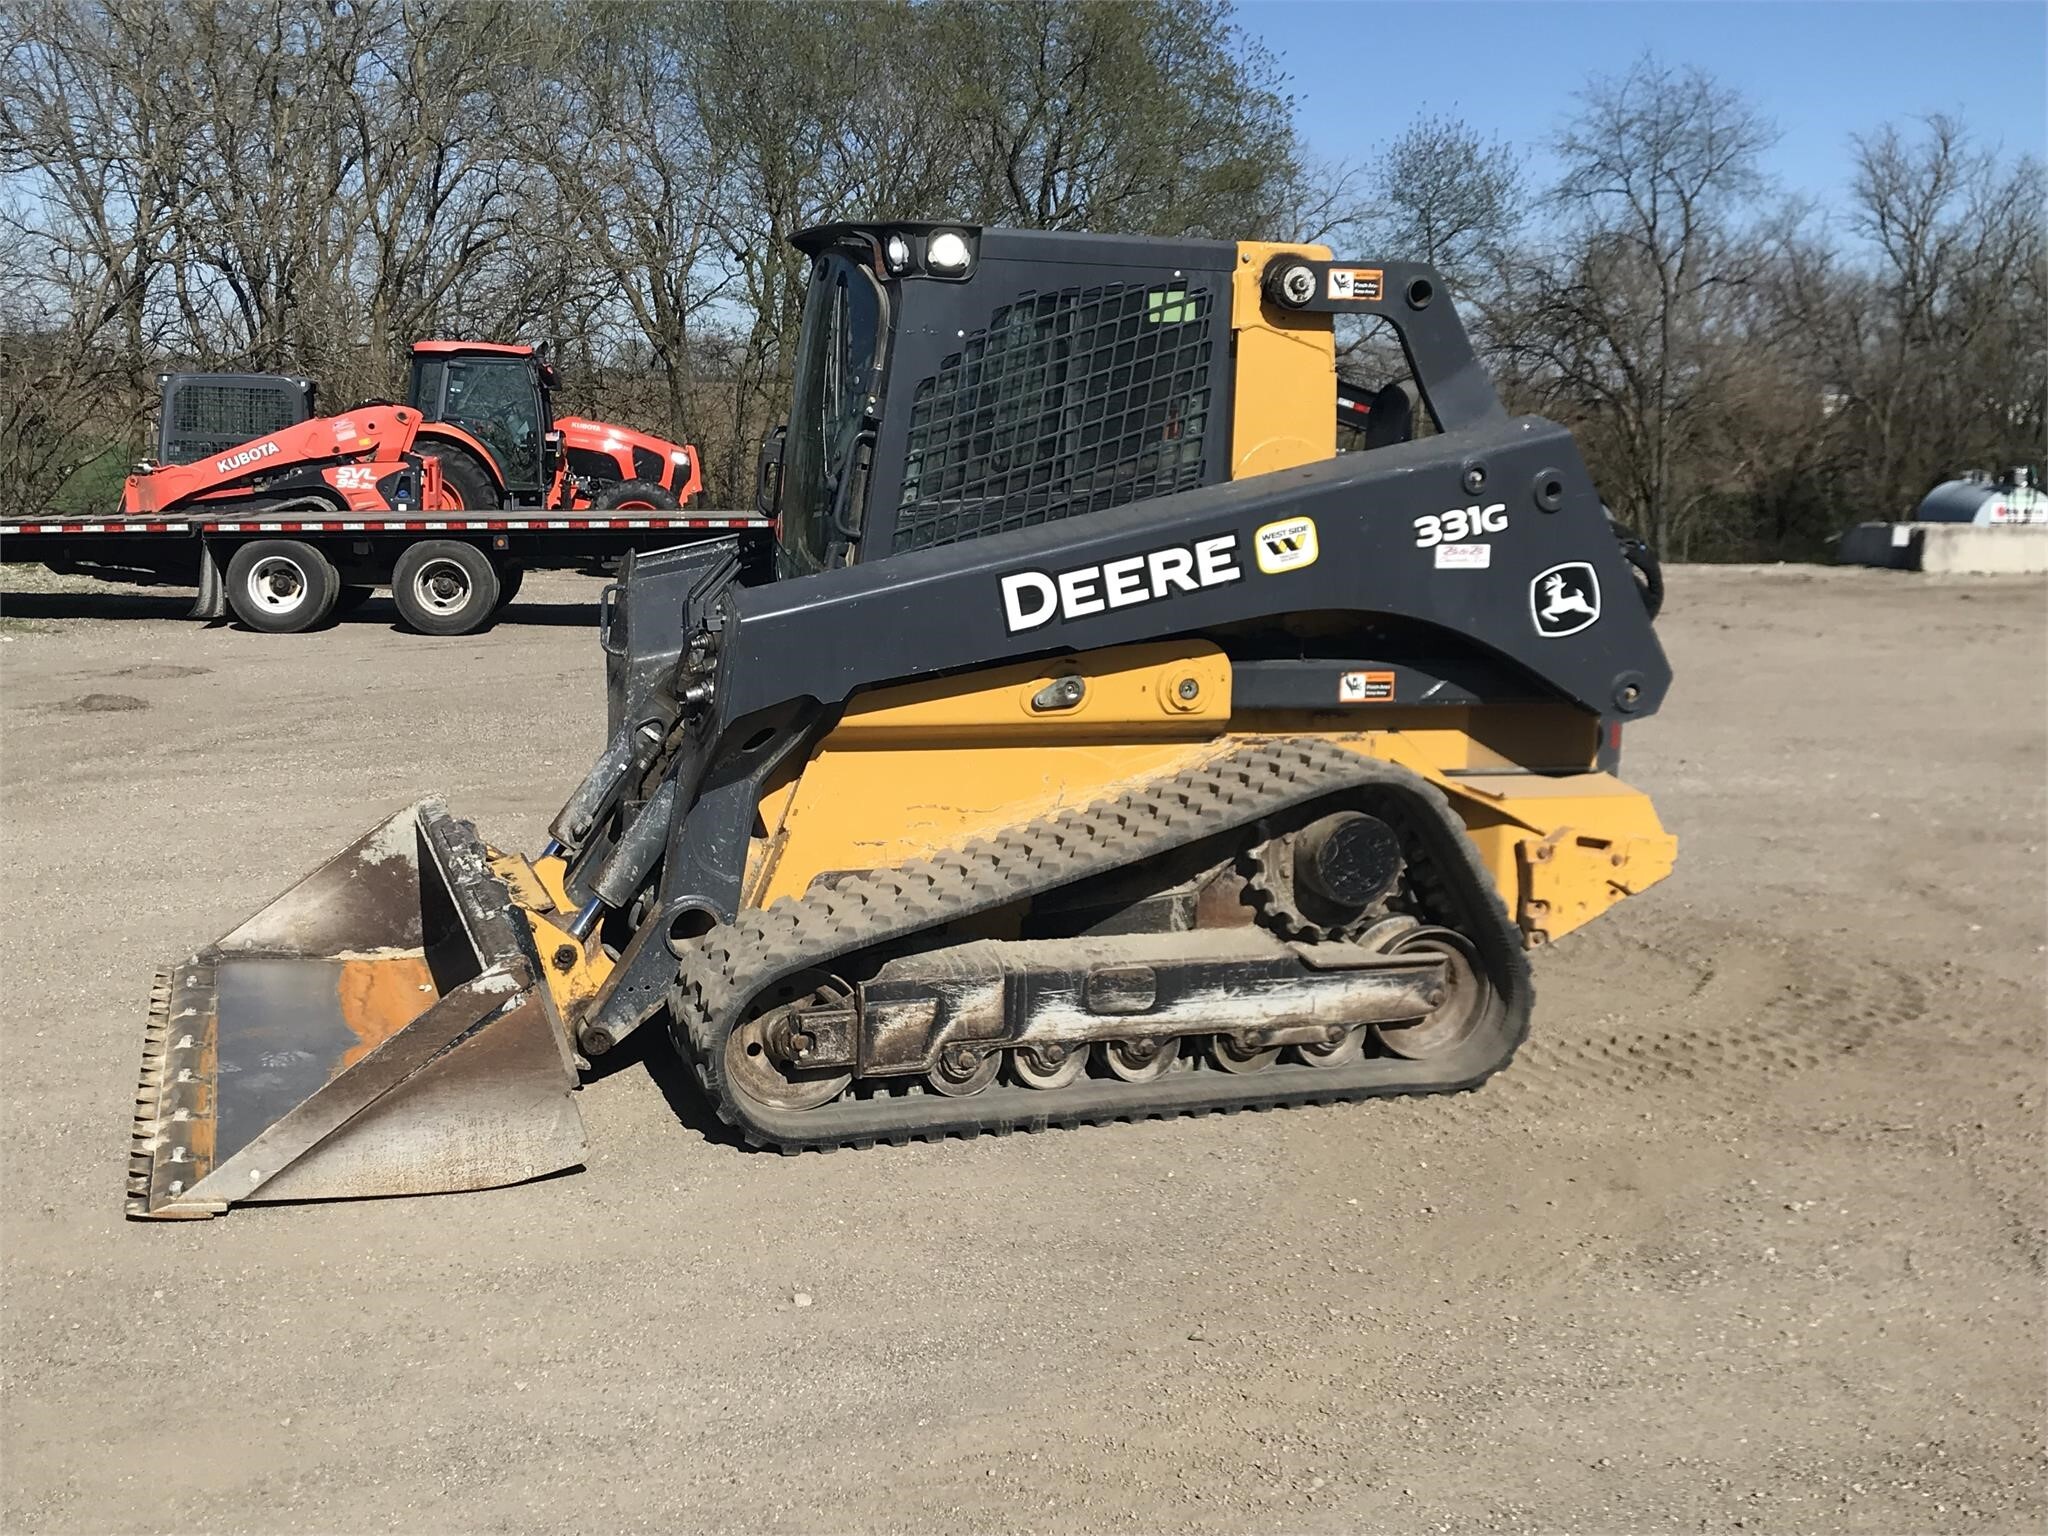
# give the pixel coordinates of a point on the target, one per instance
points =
(1363, 69)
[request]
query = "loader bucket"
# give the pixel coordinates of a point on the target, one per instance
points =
(380, 1029)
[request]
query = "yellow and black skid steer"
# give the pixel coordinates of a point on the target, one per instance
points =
(1107, 745)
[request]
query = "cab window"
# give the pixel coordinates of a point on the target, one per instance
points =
(494, 400)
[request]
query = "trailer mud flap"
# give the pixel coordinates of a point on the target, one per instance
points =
(211, 602)
(380, 1029)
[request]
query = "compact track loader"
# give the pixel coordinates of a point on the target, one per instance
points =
(1108, 746)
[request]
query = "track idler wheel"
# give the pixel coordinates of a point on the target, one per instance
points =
(1468, 997)
(757, 1060)
(1344, 1053)
(963, 1071)
(1235, 1054)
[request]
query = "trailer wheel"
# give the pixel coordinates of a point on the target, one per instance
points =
(635, 496)
(281, 586)
(509, 578)
(444, 587)
(352, 597)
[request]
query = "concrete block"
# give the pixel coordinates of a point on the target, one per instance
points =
(1949, 549)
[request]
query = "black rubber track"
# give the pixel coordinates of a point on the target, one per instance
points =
(736, 963)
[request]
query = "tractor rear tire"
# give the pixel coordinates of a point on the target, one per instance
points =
(281, 586)
(464, 482)
(445, 587)
(635, 496)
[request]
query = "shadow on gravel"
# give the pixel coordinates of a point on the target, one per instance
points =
(519, 614)
(649, 1047)
(94, 605)
(144, 605)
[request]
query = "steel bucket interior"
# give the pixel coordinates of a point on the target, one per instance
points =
(379, 1029)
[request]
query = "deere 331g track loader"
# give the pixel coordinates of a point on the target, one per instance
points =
(1108, 746)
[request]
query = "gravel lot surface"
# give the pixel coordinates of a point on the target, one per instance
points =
(1751, 1235)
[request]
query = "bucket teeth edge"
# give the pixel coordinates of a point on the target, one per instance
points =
(146, 1134)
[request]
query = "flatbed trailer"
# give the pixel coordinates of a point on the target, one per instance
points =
(448, 573)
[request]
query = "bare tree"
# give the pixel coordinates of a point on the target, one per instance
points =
(632, 178)
(1143, 116)
(1660, 165)
(1935, 351)
(91, 134)
(1444, 195)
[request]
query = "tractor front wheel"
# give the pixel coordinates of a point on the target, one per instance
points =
(635, 496)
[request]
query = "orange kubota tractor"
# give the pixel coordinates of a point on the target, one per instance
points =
(480, 412)
(487, 416)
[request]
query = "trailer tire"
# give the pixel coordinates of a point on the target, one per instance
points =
(509, 578)
(635, 496)
(351, 598)
(281, 586)
(445, 587)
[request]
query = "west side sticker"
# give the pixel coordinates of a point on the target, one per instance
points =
(1365, 283)
(1365, 687)
(1464, 557)
(1288, 545)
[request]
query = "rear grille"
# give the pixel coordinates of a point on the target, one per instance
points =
(1067, 403)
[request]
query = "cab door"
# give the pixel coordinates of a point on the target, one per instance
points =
(497, 401)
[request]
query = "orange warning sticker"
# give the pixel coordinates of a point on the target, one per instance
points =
(1357, 283)
(1365, 687)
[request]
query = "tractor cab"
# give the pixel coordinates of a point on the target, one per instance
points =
(492, 403)
(498, 394)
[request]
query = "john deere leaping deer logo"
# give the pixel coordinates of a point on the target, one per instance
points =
(1564, 599)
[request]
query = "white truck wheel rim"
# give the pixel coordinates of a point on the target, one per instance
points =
(277, 584)
(441, 586)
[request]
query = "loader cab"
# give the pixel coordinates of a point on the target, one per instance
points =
(499, 395)
(202, 414)
(954, 382)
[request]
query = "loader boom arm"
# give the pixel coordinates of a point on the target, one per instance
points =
(381, 432)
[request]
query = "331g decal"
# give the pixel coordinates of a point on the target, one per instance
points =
(1461, 524)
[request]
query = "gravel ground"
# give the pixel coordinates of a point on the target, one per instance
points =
(1751, 1236)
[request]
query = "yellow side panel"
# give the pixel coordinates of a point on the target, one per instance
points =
(1284, 404)
(1172, 688)
(861, 810)
(1563, 850)
(929, 765)
(916, 769)
(1455, 738)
